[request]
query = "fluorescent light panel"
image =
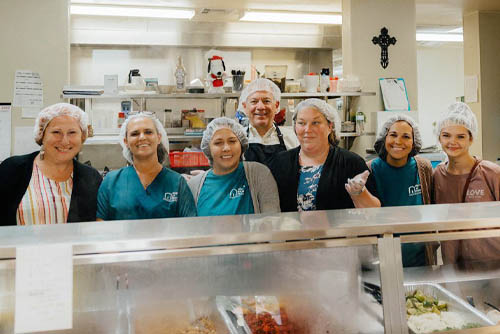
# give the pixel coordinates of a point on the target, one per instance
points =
(288, 17)
(421, 37)
(169, 13)
(457, 31)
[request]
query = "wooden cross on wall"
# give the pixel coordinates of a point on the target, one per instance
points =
(384, 40)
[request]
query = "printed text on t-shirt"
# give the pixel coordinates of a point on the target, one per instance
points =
(414, 190)
(171, 197)
(235, 193)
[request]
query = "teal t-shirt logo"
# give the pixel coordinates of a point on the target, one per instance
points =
(237, 192)
(171, 197)
(415, 190)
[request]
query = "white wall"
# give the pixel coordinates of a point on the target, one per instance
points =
(90, 63)
(440, 70)
(34, 35)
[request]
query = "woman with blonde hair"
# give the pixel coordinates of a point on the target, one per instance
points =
(50, 186)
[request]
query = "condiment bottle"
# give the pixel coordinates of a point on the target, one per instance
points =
(180, 76)
(121, 119)
(324, 80)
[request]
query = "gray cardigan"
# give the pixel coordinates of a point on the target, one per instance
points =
(261, 182)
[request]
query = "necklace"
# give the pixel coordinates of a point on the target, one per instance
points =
(147, 178)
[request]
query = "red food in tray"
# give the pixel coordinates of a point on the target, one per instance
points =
(263, 323)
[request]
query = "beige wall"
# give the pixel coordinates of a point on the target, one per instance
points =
(34, 36)
(472, 66)
(361, 21)
(489, 32)
(481, 49)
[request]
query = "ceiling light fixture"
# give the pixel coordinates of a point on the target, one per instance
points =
(291, 17)
(457, 31)
(421, 37)
(153, 12)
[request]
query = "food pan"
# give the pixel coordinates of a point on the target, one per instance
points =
(469, 314)
(224, 306)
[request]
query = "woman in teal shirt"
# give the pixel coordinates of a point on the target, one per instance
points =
(232, 187)
(402, 178)
(145, 189)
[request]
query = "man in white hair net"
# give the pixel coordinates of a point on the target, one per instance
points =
(465, 178)
(260, 101)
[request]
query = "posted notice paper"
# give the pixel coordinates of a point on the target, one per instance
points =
(30, 112)
(28, 89)
(24, 141)
(44, 288)
(470, 88)
(5, 124)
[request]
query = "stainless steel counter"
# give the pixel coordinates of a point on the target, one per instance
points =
(314, 262)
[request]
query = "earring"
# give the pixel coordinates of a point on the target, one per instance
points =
(42, 153)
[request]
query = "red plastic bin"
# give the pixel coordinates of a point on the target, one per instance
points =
(188, 159)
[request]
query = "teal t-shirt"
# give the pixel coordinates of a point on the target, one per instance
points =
(225, 194)
(122, 196)
(398, 186)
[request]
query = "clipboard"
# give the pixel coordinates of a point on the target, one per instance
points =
(394, 94)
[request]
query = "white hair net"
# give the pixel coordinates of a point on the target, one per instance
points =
(458, 113)
(258, 85)
(162, 148)
(55, 110)
(223, 123)
(327, 110)
(380, 141)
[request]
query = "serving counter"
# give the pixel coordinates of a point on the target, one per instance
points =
(314, 272)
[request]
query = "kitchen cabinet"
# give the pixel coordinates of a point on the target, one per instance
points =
(161, 275)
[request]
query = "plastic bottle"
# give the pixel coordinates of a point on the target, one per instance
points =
(334, 84)
(180, 76)
(360, 122)
(324, 80)
(168, 119)
(121, 118)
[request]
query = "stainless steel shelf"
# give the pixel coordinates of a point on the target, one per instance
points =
(110, 140)
(212, 96)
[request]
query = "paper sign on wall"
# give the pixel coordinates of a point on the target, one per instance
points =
(44, 288)
(5, 124)
(470, 89)
(30, 112)
(28, 89)
(24, 140)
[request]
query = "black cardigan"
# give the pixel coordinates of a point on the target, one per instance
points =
(15, 176)
(340, 164)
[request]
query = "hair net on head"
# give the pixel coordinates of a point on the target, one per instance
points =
(458, 113)
(59, 109)
(380, 141)
(258, 85)
(327, 110)
(162, 147)
(223, 123)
